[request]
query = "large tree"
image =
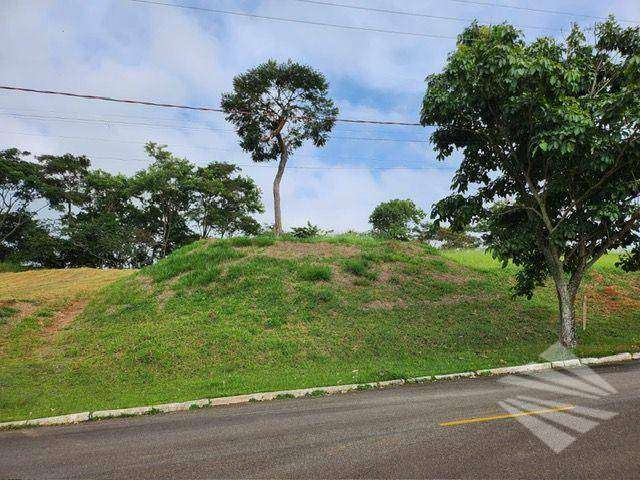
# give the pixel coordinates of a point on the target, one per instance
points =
(276, 107)
(548, 133)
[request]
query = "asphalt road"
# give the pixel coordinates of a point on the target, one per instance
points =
(394, 432)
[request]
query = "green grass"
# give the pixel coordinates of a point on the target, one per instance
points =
(314, 273)
(7, 312)
(359, 267)
(10, 267)
(245, 315)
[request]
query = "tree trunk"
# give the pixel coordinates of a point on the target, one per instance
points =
(566, 292)
(165, 236)
(566, 323)
(277, 227)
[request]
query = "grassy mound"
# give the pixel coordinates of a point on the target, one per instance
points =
(242, 315)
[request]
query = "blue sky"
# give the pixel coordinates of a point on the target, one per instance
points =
(132, 50)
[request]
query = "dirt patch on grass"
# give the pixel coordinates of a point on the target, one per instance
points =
(64, 317)
(145, 282)
(339, 276)
(611, 298)
(292, 250)
(390, 272)
(164, 296)
(456, 278)
(24, 309)
(410, 248)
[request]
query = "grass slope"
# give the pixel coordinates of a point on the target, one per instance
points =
(227, 317)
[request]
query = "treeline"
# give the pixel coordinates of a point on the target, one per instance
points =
(55, 211)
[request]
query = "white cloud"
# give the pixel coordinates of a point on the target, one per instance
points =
(131, 50)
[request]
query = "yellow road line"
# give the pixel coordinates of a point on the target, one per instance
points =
(506, 415)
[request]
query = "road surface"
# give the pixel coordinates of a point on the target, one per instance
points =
(395, 432)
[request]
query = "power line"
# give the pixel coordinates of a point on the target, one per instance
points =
(105, 117)
(199, 147)
(295, 20)
(410, 14)
(172, 105)
(536, 10)
(108, 122)
(377, 30)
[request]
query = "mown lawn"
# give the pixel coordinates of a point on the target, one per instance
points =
(228, 317)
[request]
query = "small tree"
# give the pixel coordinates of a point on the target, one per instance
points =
(396, 219)
(309, 231)
(551, 160)
(276, 107)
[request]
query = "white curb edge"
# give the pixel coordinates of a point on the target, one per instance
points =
(303, 392)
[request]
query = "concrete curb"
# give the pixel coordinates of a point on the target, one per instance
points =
(306, 392)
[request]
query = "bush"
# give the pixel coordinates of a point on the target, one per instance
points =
(396, 219)
(314, 273)
(308, 231)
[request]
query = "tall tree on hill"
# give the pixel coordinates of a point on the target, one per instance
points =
(276, 107)
(551, 160)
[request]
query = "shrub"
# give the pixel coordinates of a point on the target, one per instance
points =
(308, 231)
(396, 219)
(314, 273)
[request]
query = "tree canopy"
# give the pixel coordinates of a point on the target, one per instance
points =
(396, 219)
(275, 108)
(548, 133)
(109, 220)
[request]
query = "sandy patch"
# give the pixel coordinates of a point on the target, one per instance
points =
(63, 318)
